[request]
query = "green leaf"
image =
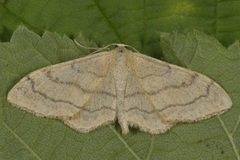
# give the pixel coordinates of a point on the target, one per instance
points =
(206, 55)
(132, 22)
(25, 136)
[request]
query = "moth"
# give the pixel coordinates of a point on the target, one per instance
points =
(122, 85)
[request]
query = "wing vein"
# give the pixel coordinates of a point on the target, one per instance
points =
(63, 101)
